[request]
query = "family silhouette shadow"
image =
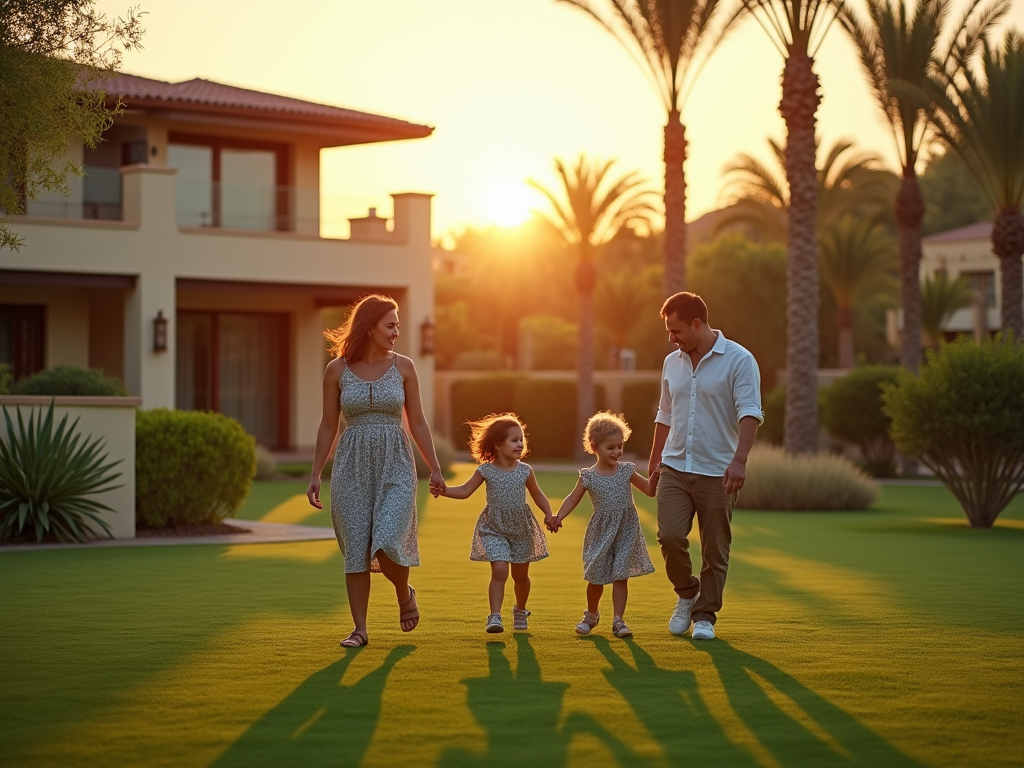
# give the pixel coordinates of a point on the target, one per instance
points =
(321, 723)
(520, 713)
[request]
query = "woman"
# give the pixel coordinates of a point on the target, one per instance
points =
(373, 482)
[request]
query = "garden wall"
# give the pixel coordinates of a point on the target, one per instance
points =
(113, 420)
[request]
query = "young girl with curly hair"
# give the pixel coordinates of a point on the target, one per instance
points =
(507, 534)
(613, 546)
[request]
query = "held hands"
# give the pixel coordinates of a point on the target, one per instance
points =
(652, 480)
(735, 475)
(313, 493)
(437, 484)
(553, 523)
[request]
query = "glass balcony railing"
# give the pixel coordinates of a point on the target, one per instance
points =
(97, 195)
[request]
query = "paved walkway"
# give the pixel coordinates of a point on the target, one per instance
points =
(261, 533)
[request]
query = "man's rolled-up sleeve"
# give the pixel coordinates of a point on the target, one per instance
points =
(665, 404)
(746, 390)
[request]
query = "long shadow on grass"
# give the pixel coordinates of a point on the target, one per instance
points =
(519, 711)
(823, 735)
(321, 723)
(672, 709)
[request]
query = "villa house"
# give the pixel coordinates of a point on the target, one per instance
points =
(189, 261)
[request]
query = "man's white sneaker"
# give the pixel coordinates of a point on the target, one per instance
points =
(703, 630)
(680, 621)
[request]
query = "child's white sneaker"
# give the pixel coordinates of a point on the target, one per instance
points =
(703, 630)
(519, 617)
(589, 622)
(680, 621)
(494, 624)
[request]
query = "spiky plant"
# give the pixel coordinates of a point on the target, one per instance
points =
(47, 476)
(855, 259)
(797, 29)
(849, 181)
(977, 109)
(940, 298)
(590, 208)
(671, 41)
(896, 44)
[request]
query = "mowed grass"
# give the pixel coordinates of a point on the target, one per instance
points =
(893, 637)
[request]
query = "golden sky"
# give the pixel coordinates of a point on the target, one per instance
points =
(508, 86)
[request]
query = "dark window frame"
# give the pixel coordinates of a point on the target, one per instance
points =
(28, 338)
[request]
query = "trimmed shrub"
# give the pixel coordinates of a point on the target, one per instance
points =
(266, 464)
(70, 380)
(774, 406)
(852, 411)
(639, 407)
(190, 467)
(478, 360)
(445, 457)
(475, 398)
(806, 482)
(47, 477)
(963, 418)
(5, 378)
(549, 409)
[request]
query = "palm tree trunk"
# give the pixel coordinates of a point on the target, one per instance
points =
(675, 205)
(585, 282)
(800, 101)
(1008, 245)
(909, 217)
(847, 353)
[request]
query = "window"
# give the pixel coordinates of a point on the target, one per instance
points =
(23, 338)
(230, 183)
(236, 363)
(985, 283)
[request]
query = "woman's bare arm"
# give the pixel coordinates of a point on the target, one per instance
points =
(328, 429)
(418, 427)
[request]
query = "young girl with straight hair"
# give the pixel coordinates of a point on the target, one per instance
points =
(613, 546)
(373, 481)
(507, 534)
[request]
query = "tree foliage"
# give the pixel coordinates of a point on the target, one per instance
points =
(963, 418)
(940, 298)
(952, 197)
(852, 411)
(53, 55)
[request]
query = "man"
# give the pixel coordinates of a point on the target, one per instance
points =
(708, 416)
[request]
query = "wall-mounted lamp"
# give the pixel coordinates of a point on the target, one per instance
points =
(160, 332)
(427, 337)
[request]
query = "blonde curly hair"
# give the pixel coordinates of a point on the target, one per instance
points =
(490, 431)
(601, 426)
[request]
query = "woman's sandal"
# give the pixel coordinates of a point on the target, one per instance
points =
(409, 614)
(619, 628)
(590, 621)
(355, 640)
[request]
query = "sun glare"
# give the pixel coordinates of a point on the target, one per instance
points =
(508, 203)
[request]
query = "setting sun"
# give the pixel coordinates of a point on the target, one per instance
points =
(508, 203)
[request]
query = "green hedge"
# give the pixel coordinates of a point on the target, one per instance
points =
(70, 380)
(548, 406)
(852, 411)
(639, 407)
(190, 467)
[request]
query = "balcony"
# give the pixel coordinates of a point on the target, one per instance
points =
(96, 195)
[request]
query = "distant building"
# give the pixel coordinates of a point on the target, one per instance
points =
(967, 252)
(189, 262)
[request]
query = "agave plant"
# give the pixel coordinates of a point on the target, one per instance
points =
(46, 475)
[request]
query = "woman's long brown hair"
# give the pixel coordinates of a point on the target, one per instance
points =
(350, 340)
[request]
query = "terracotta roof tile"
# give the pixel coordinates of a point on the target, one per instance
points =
(206, 92)
(982, 230)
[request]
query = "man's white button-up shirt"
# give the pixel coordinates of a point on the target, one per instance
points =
(702, 407)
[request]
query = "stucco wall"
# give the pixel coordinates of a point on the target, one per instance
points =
(113, 420)
(67, 320)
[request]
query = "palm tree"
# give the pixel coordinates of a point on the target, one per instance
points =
(895, 44)
(589, 214)
(855, 259)
(670, 40)
(940, 298)
(847, 183)
(797, 28)
(978, 111)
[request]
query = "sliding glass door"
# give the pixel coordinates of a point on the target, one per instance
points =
(236, 363)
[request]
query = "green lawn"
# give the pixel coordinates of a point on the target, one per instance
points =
(893, 637)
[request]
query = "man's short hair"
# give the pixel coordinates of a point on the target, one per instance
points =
(686, 306)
